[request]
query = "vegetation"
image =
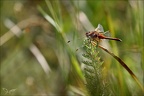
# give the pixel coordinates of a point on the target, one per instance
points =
(41, 48)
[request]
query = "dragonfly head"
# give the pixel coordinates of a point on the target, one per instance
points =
(91, 34)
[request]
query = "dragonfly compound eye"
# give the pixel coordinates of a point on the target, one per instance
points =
(87, 34)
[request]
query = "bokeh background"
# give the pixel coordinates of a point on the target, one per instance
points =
(36, 58)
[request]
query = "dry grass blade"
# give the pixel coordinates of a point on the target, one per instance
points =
(125, 66)
(15, 29)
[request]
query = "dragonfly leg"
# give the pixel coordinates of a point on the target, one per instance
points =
(97, 43)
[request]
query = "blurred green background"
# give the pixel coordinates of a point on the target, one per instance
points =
(36, 59)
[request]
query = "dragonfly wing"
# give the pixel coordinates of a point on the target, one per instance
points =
(99, 28)
(107, 33)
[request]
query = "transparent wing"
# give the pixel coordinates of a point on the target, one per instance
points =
(107, 33)
(99, 28)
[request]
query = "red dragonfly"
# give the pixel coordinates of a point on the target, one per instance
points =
(98, 34)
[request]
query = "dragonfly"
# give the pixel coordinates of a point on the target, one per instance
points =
(98, 34)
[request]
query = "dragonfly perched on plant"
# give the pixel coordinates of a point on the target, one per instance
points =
(98, 34)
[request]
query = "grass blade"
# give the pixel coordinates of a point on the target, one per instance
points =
(125, 66)
(49, 19)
